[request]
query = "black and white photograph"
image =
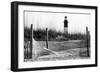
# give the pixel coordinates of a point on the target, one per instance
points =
(53, 36)
(56, 36)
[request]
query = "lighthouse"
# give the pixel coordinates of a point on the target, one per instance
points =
(65, 25)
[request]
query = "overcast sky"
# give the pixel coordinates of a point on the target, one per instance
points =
(55, 21)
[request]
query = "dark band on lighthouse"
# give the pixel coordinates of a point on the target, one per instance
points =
(66, 25)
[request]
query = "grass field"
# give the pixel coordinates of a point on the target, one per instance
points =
(65, 49)
(63, 45)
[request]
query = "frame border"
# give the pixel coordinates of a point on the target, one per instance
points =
(14, 35)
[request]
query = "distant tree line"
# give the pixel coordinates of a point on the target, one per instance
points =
(40, 35)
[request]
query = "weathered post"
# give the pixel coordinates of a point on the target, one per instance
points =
(47, 38)
(88, 41)
(25, 50)
(86, 53)
(31, 42)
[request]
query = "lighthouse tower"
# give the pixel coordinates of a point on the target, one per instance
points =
(65, 25)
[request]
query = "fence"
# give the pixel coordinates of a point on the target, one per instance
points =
(87, 41)
(28, 44)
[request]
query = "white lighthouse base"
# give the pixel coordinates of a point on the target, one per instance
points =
(66, 30)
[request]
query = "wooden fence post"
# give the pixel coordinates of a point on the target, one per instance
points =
(88, 41)
(31, 42)
(47, 38)
(86, 53)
